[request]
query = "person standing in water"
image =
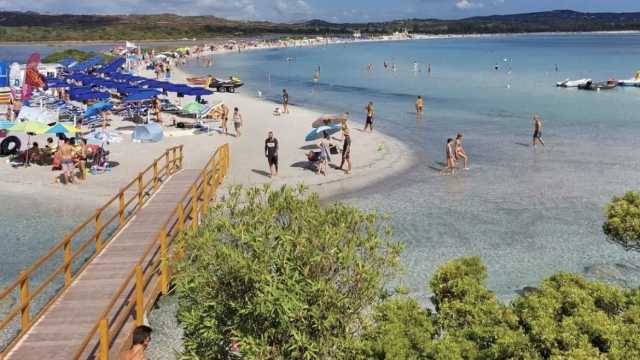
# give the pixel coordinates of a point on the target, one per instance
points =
(420, 106)
(316, 75)
(537, 130)
(460, 153)
(285, 101)
(429, 69)
(370, 112)
(450, 158)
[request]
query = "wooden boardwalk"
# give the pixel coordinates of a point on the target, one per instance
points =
(59, 333)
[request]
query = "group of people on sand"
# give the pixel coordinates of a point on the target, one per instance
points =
(236, 119)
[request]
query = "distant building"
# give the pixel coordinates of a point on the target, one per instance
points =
(357, 34)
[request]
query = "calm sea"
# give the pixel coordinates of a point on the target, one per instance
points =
(527, 213)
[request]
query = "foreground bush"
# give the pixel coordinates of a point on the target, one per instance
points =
(283, 276)
(623, 220)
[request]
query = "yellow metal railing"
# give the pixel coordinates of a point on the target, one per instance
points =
(78, 248)
(151, 276)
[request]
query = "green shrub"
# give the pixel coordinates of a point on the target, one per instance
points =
(623, 220)
(283, 276)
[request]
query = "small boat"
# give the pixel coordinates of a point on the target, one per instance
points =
(629, 82)
(635, 81)
(600, 85)
(572, 83)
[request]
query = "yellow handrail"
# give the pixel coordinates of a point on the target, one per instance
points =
(99, 237)
(152, 275)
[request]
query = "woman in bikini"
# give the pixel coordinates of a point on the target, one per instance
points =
(460, 153)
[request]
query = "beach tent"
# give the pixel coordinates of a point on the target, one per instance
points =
(151, 132)
(113, 66)
(36, 115)
(4, 74)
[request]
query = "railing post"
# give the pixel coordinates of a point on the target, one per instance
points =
(139, 296)
(168, 161)
(67, 261)
(164, 262)
(205, 191)
(180, 217)
(181, 156)
(140, 191)
(194, 208)
(155, 175)
(98, 231)
(104, 340)
(121, 207)
(24, 303)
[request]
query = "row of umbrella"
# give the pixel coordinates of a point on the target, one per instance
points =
(37, 128)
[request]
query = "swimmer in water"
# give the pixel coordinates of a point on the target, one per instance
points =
(316, 75)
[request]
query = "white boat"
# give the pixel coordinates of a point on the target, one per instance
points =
(572, 83)
(629, 82)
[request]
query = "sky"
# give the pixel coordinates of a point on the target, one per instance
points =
(330, 10)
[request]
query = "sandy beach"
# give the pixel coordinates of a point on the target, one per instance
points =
(374, 155)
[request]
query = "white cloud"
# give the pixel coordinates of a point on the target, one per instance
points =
(468, 4)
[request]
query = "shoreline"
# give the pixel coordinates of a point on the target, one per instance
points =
(236, 38)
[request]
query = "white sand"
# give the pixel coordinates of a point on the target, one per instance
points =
(375, 156)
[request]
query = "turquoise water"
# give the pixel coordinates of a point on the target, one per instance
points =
(527, 213)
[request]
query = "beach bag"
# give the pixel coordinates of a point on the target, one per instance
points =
(333, 150)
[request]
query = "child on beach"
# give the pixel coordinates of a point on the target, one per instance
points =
(450, 158)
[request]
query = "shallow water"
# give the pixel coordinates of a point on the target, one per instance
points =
(527, 213)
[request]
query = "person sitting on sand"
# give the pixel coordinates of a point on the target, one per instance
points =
(276, 112)
(460, 153)
(31, 155)
(450, 158)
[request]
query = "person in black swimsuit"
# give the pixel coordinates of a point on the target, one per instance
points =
(271, 153)
(346, 153)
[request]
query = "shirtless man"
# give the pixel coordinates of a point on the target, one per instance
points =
(66, 156)
(537, 130)
(225, 119)
(370, 112)
(420, 106)
(141, 340)
(460, 153)
(450, 157)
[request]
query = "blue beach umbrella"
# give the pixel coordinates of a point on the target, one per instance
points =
(141, 96)
(61, 129)
(318, 133)
(97, 108)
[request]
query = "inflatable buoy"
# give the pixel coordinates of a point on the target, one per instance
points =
(10, 146)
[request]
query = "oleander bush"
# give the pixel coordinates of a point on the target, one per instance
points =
(623, 220)
(273, 274)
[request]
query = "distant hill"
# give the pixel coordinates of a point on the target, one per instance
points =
(30, 26)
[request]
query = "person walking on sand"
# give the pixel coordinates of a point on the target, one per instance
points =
(271, 153)
(460, 153)
(420, 106)
(140, 342)
(346, 152)
(370, 112)
(66, 161)
(225, 119)
(450, 158)
(537, 130)
(285, 101)
(237, 121)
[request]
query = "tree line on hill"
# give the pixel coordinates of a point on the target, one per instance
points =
(30, 26)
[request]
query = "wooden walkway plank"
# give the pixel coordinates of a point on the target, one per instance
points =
(61, 330)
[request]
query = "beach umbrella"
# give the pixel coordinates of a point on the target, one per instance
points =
(61, 128)
(198, 92)
(6, 124)
(97, 108)
(330, 120)
(146, 94)
(193, 108)
(28, 127)
(319, 132)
